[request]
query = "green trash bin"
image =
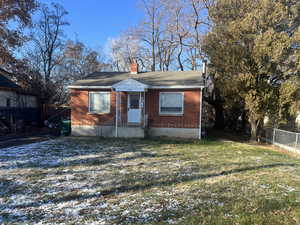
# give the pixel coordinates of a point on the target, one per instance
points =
(65, 127)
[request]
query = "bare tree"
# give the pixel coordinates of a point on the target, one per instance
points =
(150, 29)
(172, 32)
(80, 61)
(48, 39)
(45, 53)
(199, 23)
(177, 24)
(166, 49)
(126, 48)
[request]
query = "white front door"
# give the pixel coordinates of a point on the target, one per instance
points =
(134, 109)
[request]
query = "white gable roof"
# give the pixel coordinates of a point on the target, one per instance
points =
(130, 85)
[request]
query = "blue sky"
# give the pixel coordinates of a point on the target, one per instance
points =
(95, 21)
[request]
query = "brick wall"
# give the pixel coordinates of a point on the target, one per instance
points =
(190, 118)
(80, 110)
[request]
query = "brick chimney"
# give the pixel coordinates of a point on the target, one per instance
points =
(134, 67)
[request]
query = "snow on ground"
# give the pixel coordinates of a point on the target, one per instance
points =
(61, 180)
(108, 181)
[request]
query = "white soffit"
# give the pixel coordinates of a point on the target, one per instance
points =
(130, 85)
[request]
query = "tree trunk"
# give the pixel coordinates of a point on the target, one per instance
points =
(153, 45)
(179, 59)
(254, 128)
(218, 104)
(153, 59)
(244, 121)
(179, 54)
(219, 116)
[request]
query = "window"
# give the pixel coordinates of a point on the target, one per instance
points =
(8, 104)
(99, 102)
(134, 102)
(171, 103)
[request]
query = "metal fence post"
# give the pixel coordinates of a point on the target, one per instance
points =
(287, 140)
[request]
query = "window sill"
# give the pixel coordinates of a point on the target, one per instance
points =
(97, 113)
(170, 114)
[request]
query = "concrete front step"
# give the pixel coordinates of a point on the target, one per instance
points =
(131, 132)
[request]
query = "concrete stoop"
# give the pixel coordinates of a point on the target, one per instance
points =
(131, 132)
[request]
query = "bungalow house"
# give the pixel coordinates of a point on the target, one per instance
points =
(133, 104)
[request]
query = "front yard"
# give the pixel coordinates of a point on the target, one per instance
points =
(108, 181)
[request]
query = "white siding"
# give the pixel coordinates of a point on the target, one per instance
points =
(17, 100)
(4, 95)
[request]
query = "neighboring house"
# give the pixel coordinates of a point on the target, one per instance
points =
(133, 104)
(15, 104)
(12, 95)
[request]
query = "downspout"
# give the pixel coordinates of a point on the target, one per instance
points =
(144, 108)
(117, 114)
(120, 106)
(201, 100)
(200, 114)
(140, 106)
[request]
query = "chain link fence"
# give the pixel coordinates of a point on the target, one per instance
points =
(285, 139)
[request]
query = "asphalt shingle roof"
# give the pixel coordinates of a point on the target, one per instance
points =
(5, 82)
(168, 78)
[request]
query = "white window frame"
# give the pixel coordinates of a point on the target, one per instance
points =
(99, 92)
(171, 113)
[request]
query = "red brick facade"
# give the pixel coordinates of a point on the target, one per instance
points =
(190, 118)
(80, 110)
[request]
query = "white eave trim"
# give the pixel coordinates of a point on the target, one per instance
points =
(149, 87)
(89, 87)
(177, 87)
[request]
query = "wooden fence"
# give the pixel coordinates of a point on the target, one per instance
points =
(14, 119)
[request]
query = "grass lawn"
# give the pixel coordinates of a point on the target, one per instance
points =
(109, 181)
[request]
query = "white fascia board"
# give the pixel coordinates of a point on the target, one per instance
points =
(149, 87)
(177, 87)
(89, 87)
